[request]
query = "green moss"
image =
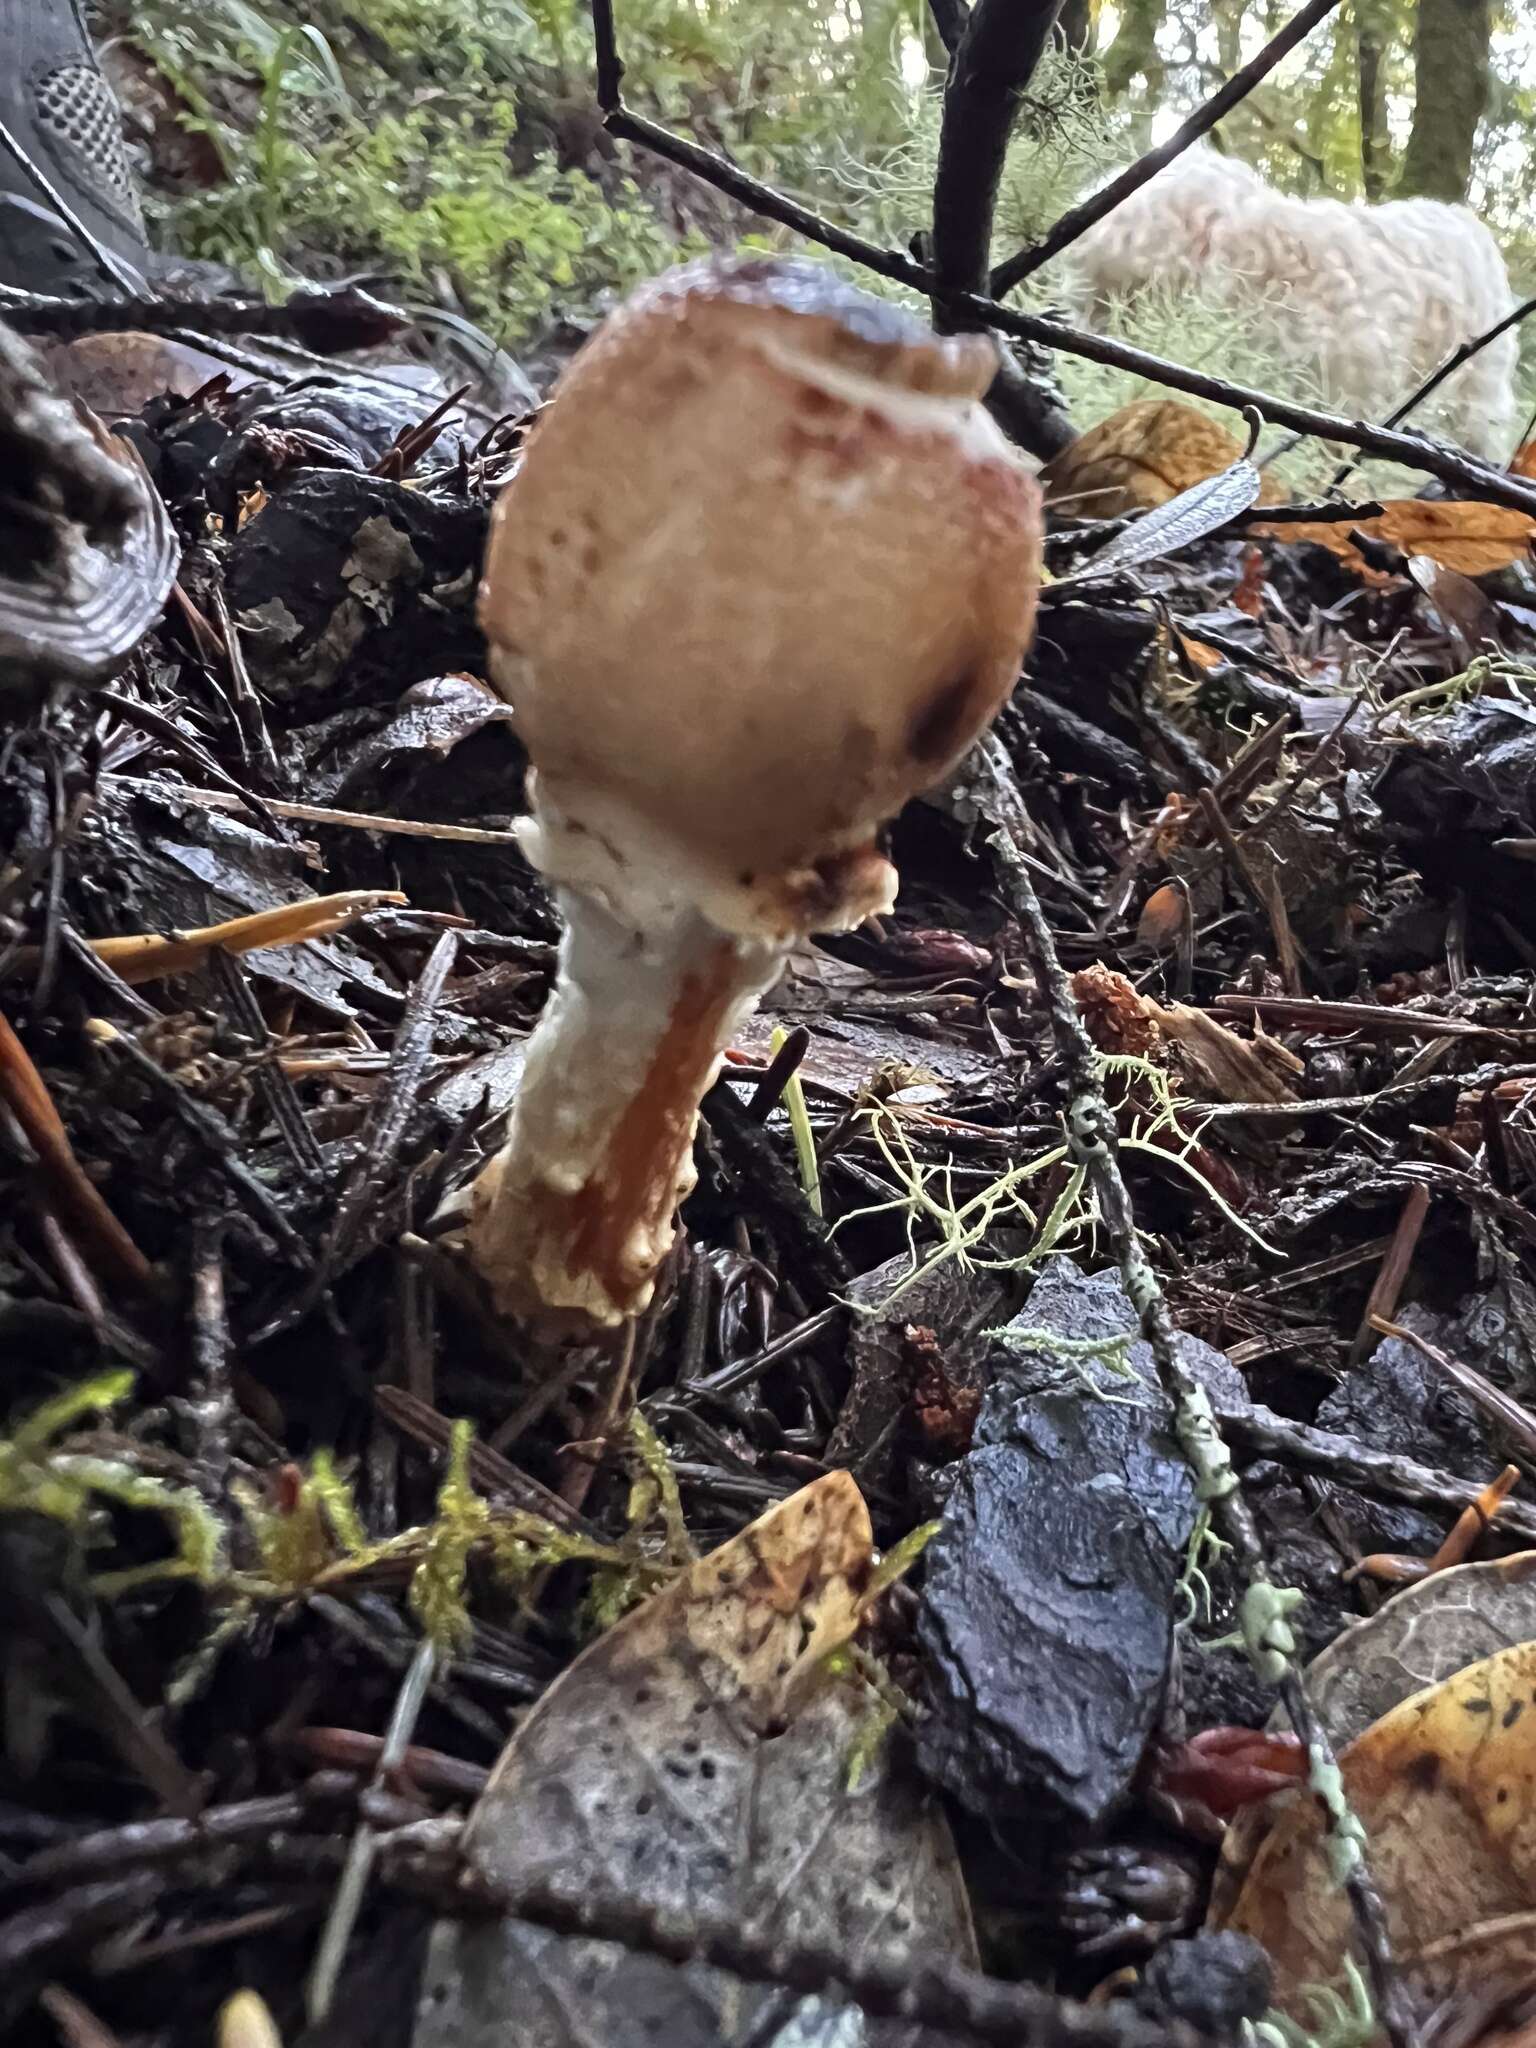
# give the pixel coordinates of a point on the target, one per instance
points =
(38, 1477)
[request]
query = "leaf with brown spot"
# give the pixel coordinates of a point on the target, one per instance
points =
(695, 1761)
(1446, 1786)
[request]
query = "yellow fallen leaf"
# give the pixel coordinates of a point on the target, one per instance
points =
(1446, 1787)
(1474, 539)
(1141, 456)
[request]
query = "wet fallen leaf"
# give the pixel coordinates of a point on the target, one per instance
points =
(1421, 1637)
(1184, 519)
(1446, 1786)
(1473, 539)
(695, 1760)
(1140, 457)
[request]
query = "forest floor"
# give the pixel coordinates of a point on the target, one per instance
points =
(1282, 811)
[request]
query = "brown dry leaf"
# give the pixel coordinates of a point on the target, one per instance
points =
(1473, 539)
(1446, 1787)
(1141, 456)
(118, 374)
(695, 1761)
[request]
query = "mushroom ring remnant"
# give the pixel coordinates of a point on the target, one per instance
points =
(767, 569)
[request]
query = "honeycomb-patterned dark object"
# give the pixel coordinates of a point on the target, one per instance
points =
(76, 107)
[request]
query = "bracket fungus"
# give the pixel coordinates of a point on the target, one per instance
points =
(766, 570)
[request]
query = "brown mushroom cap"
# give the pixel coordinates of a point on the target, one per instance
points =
(766, 570)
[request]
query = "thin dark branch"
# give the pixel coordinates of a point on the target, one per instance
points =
(750, 192)
(1080, 218)
(1414, 451)
(1454, 362)
(1004, 40)
(938, 1993)
(1431, 383)
(330, 320)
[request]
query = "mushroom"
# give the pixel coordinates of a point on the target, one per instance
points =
(766, 570)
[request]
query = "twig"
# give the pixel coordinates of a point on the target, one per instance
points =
(1436, 378)
(210, 1129)
(387, 1126)
(24, 1091)
(166, 730)
(1268, 899)
(1079, 219)
(72, 1918)
(1388, 1475)
(1267, 1631)
(312, 814)
(145, 1844)
(358, 1868)
(999, 45)
(1454, 362)
(949, 18)
(1372, 1020)
(333, 320)
(1393, 1271)
(1511, 1415)
(933, 1992)
(1413, 451)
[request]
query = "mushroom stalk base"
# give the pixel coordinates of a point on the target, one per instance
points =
(570, 1221)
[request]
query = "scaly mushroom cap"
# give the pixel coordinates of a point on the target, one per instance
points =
(767, 569)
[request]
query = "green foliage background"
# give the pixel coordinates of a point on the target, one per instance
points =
(450, 146)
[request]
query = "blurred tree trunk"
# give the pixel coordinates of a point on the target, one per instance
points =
(1133, 53)
(1373, 39)
(1450, 63)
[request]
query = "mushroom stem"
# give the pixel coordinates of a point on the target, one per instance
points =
(573, 1218)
